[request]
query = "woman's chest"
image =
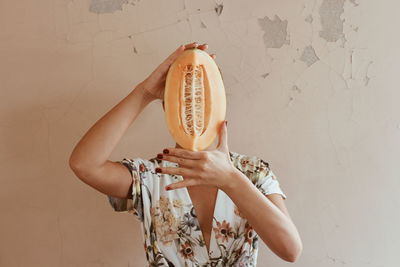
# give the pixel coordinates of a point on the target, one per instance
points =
(204, 202)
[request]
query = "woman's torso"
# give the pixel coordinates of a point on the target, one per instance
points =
(181, 227)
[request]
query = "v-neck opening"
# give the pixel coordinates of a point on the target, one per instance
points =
(213, 240)
(212, 236)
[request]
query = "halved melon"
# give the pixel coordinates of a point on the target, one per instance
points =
(194, 100)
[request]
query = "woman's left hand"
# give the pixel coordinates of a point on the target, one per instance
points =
(207, 167)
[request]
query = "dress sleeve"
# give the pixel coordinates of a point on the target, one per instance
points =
(268, 184)
(266, 181)
(259, 173)
(133, 204)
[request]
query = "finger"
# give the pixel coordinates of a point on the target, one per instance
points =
(181, 161)
(213, 56)
(184, 183)
(191, 45)
(174, 171)
(183, 153)
(203, 46)
(223, 137)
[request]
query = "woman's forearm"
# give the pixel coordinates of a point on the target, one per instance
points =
(271, 224)
(96, 146)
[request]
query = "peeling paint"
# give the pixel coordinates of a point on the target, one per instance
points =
(265, 75)
(331, 23)
(357, 67)
(106, 6)
(333, 259)
(354, 3)
(291, 99)
(275, 32)
(309, 19)
(296, 89)
(309, 56)
(218, 9)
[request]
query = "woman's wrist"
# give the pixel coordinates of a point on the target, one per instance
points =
(144, 92)
(238, 181)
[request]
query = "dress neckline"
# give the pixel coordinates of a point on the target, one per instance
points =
(213, 244)
(214, 248)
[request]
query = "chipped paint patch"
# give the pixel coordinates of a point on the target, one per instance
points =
(218, 9)
(265, 75)
(275, 31)
(296, 89)
(106, 6)
(354, 3)
(331, 23)
(309, 56)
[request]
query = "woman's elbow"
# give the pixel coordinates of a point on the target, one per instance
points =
(294, 254)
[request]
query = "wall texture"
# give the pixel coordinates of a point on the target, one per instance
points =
(312, 87)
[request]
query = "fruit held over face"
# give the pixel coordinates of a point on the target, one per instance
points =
(194, 100)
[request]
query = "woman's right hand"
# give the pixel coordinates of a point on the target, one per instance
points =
(154, 84)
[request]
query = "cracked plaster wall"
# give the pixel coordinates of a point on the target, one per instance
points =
(312, 87)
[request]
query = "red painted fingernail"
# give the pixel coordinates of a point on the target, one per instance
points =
(168, 188)
(165, 151)
(160, 156)
(158, 170)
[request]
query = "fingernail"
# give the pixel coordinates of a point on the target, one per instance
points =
(167, 188)
(165, 151)
(158, 170)
(160, 156)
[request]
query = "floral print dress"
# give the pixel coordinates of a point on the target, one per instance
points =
(170, 229)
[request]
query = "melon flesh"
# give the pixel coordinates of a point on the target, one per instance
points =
(194, 100)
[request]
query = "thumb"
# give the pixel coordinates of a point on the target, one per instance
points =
(223, 137)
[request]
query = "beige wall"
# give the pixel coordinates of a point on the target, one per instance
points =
(312, 88)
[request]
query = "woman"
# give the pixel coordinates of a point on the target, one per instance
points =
(205, 208)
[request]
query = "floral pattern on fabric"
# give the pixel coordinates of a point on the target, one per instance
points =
(170, 229)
